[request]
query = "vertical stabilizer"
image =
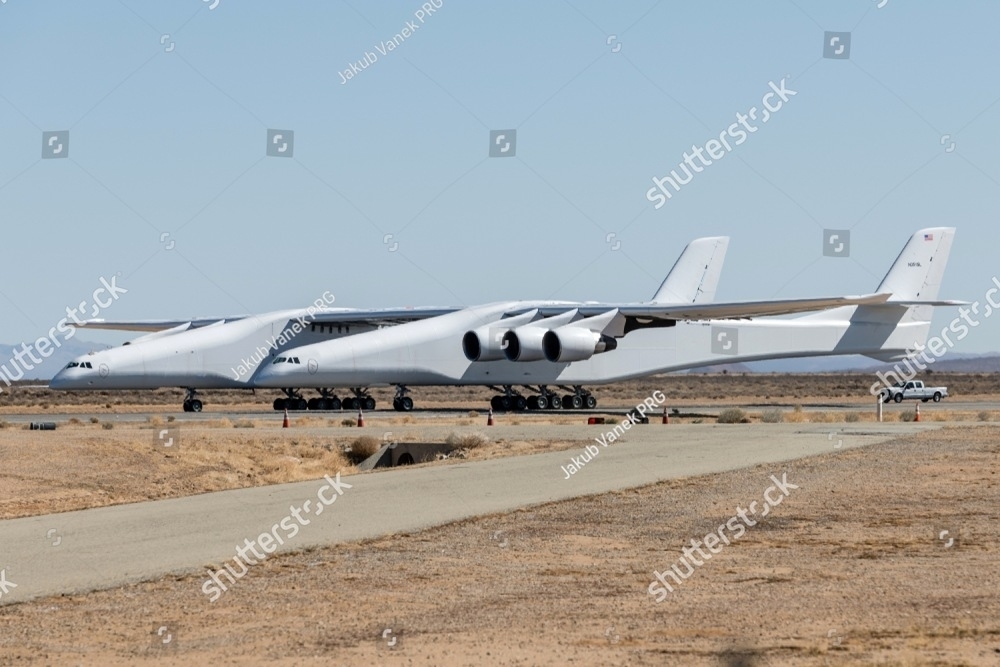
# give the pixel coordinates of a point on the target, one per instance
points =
(695, 275)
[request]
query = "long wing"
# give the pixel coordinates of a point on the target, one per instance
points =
(349, 316)
(153, 326)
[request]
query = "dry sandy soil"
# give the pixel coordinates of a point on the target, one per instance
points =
(851, 568)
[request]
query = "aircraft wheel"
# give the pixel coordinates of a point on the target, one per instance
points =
(397, 405)
(334, 403)
(590, 401)
(369, 403)
(279, 404)
(536, 403)
(567, 402)
(314, 404)
(577, 401)
(553, 402)
(349, 403)
(899, 397)
(496, 403)
(187, 406)
(937, 396)
(406, 403)
(195, 405)
(505, 403)
(520, 403)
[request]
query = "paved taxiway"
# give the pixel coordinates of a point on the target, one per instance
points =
(437, 413)
(105, 547)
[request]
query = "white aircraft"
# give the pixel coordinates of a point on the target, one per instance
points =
(538, 344)
(223, 353)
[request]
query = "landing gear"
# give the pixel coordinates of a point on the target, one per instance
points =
(192, 404)
(579, 399)
(361, 400)
(294, 401)
(511, 400)
(327, 401)
(402, 402)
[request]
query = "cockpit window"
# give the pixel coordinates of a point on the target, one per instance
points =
(72, 364)
(279, 360)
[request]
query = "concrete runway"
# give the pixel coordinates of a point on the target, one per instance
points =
(438, 413)
(75, 552)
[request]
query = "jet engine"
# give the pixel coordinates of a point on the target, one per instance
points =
(525, 343)
(572, 343)
(486, 342)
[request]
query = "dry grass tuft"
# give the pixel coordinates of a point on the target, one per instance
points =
(733, 416)
(773, 416)
(467, 440)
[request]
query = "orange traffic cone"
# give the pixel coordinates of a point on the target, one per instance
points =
(285, 424)
(916, 418)
(489, 419)
(361, 418)
(666, 419)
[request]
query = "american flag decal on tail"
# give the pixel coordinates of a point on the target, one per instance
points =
(928, 237)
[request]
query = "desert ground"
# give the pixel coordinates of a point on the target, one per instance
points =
(885, 554)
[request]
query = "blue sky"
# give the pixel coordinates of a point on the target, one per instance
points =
(390, 197)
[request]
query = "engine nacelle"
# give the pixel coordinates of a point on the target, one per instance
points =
(571, 343)
(483, 344)
(524, 343)
(486, 342)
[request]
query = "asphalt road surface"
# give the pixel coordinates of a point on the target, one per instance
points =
(75, 552)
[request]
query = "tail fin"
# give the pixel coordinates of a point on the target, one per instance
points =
(695, 275)
(917, 273)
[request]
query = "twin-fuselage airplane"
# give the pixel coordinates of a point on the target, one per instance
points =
(536, 345)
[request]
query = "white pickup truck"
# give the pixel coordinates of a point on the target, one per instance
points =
(913, 389)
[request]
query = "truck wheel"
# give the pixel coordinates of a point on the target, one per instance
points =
(924, 400)
(937, 396)
(899, 397)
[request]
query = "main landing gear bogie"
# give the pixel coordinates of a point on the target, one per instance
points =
(510, 400)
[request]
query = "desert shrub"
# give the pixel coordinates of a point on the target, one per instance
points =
(473, 413)
(773, 416)
(907, 415)
(984, 416)
(94, 420)
(348, 422)
(244, 423)
(361, 448)
(107, 426)
(466, 440)
(852, 417)
(4, 424)
(733, 416)
(171, 418)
